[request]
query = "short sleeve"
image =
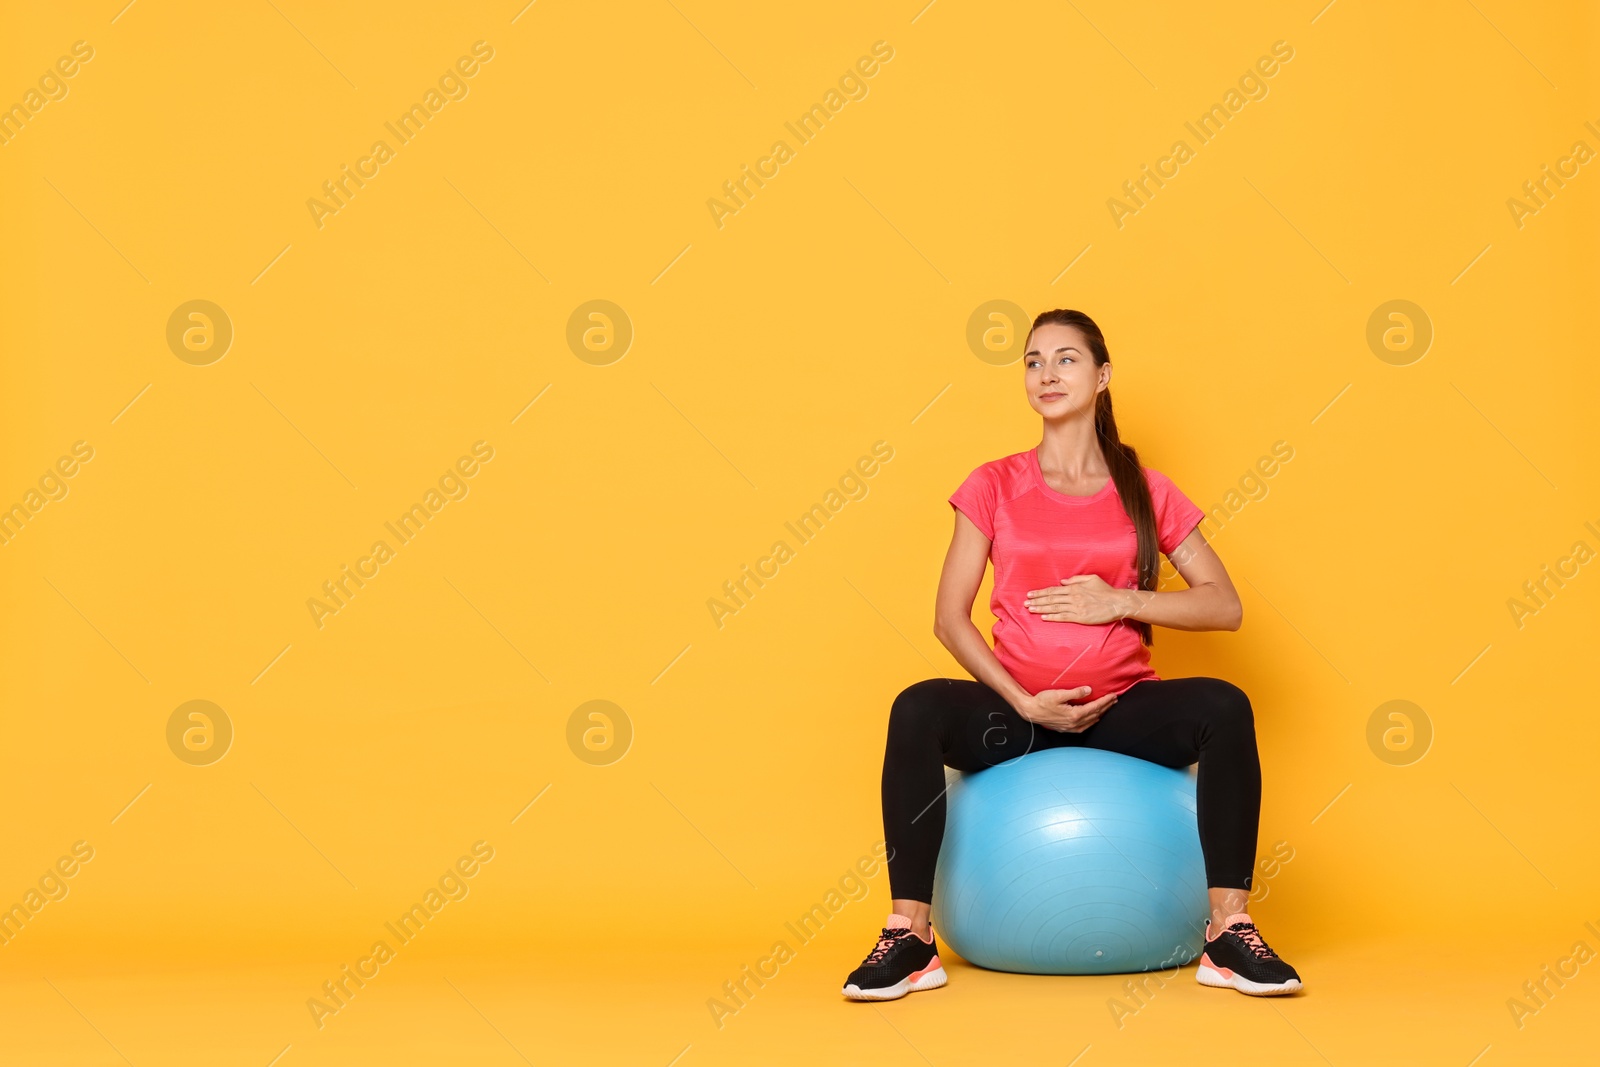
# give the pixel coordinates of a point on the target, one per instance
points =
(1176, 514)
(975, 498)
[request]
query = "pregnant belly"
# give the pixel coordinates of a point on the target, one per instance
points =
(1064, 655)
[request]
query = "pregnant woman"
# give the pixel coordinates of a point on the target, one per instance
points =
(1073, 527)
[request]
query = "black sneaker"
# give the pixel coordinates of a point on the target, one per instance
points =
(902, 963)
(1238, 958)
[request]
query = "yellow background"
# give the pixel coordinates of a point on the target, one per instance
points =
(769, 354)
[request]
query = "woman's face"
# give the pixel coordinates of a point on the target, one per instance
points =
(1061, 376)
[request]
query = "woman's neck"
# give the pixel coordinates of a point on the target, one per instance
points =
(1070, 453)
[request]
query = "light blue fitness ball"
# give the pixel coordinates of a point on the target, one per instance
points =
(1072, 861)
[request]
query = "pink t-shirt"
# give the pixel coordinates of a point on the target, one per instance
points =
(1038, 537)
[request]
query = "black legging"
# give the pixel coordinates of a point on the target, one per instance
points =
(964, 724)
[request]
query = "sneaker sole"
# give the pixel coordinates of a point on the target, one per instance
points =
(927, 980)
(1207, 975)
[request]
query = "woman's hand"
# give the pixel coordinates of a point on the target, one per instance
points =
(1083, 598)
(1050, 709)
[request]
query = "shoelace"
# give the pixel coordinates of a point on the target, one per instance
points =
(1248, 933)
(885, 943)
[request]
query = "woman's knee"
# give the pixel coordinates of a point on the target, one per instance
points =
(917, 705)
(1227, 707)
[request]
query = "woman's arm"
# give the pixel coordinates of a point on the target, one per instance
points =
(1210, 602)
(963, 570)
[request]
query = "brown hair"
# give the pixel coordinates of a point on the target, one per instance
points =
(1126, 471)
